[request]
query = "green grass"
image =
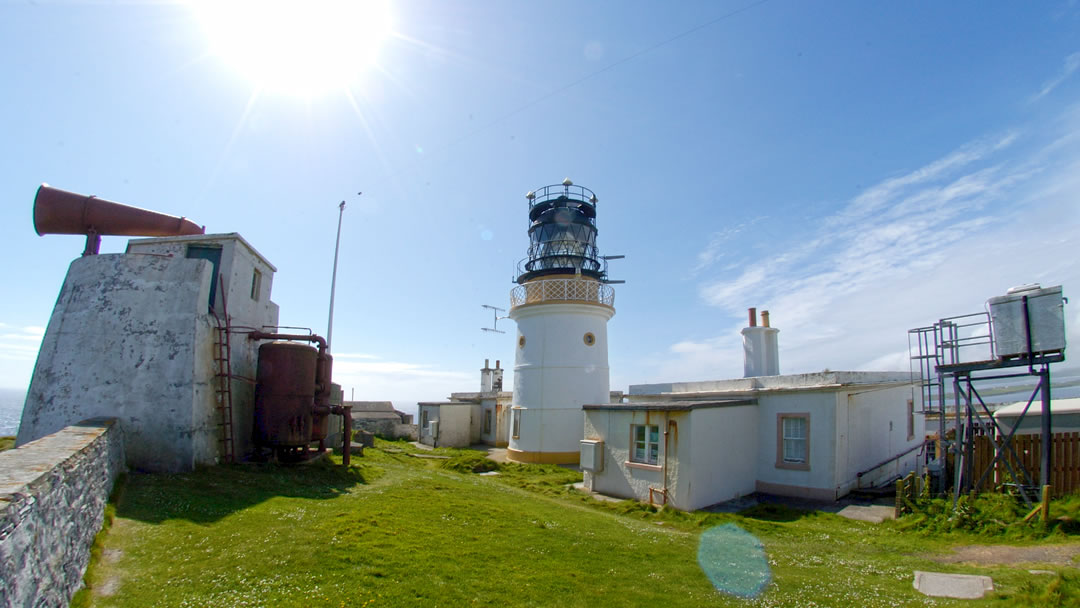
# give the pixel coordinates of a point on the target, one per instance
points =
(6, 443)
(398, 530)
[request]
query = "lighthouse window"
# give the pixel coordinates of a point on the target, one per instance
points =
(515, 423)
(521, 341)
(590, 339)
(646, 443)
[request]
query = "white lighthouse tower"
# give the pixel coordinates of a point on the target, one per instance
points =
(561, 306)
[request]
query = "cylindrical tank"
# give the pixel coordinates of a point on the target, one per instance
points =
(285, 394)
(319, 421)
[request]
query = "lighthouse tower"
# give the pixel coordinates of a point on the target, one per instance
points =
(561, 306)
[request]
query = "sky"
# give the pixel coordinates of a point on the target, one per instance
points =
(858, 169)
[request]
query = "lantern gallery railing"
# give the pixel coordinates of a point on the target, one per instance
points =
(562, 290)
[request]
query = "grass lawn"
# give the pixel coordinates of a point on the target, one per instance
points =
(398, 530)
(7, 442)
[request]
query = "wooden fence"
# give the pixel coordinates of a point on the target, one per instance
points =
(1065, 461)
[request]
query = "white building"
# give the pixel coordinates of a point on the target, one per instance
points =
(133, 336)
(693, 444)
(468, 418)
(561, 308)
(1064, 417)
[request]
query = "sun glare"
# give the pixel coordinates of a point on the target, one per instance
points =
(304, 48)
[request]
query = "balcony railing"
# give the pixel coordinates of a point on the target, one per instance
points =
(562, 290)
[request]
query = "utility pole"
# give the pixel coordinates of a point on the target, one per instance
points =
(333, 278)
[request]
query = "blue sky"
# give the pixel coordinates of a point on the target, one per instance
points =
(856, 168)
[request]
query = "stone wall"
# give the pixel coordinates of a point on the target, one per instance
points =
(52, 502)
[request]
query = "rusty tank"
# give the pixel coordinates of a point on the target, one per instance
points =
(320, 415)
(285, 393)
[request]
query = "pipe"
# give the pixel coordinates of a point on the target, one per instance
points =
(346, 442)
(667, 427)
(753, 317)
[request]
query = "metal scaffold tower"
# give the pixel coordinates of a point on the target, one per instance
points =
(1019, 336)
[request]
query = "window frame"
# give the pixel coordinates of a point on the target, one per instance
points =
(781, 461)
(650, 439)
(910, 419)
(256, 284)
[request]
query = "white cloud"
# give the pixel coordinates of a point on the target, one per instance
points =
(716, 248)
(403, 383)
(934, 242)
(1072, 63)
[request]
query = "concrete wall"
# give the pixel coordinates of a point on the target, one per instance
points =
(709, 455)
(52, 502)
(872, 427)
(248, 308)
(719, 466)
(456, 424)
(129, 338)
(818, 481)
(620, 477)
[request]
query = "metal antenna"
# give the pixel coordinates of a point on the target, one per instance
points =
(613, 257)
(495, 325)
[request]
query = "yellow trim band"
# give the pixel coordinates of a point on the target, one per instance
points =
(543, 457)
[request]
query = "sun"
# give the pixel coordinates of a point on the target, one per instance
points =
(304, 48)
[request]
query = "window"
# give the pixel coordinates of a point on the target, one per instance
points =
(645, 439)
(515, 423)
(423, 419)
(793, 441)
(487, 422)
(256, 284)
(910, 419)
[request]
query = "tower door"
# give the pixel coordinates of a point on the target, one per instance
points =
(213, 254)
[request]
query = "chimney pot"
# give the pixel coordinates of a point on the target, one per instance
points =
(753, 317)
(765, 318)
(496, 364)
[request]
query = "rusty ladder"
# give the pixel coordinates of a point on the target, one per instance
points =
(222, 355)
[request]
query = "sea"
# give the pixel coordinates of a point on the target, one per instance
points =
(11, 404)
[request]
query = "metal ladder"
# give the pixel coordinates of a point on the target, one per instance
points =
(223, 392)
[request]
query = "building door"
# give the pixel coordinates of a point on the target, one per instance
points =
(213, 254)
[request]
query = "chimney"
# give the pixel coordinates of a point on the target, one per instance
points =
(497, 378)
(761, 354)
(486, 377)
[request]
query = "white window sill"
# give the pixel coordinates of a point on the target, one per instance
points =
(643, 466)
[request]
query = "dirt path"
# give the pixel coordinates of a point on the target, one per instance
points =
(990, 555)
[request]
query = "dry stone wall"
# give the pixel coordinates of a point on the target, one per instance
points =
(52, 502)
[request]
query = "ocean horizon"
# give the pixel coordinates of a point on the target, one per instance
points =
(11, 405)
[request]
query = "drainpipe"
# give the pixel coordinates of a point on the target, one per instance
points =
(667, 427)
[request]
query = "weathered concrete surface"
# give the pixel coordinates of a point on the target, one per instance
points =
(958, 586)
(874, 514)
(52, 502)
(130, 338)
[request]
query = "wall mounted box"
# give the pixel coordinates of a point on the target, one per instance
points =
(592, 455)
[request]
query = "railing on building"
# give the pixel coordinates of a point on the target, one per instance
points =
(563, 290)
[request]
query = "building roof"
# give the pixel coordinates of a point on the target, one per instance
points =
(194, 238)
(670, 406)
(1057, 406)
(827, 380)
(477, 396)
